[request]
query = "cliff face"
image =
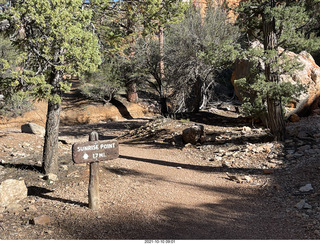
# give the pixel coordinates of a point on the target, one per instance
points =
(203, 3)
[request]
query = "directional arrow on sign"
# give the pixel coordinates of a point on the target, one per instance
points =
(85, 156)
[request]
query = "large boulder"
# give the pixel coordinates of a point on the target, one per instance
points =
(12, 191)
(33, 128)
(309, 76)
(195, 134)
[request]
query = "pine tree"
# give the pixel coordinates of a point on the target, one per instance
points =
(276, 24)
(127, 21)
(56, 39)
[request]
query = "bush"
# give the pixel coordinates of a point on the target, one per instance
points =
(198, 51)
(15, 105)
(104, 84)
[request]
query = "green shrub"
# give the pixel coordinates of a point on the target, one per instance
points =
(103, 84)
(15, 105)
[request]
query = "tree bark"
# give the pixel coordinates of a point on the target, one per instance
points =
(275, 117)
(131, 85)
(132, 94)
(163, 96)
(50, 149)
(161, 52)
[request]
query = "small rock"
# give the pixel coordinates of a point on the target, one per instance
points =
(306, 188)
(195, 134)
(64, 167)
(248, 178)
(25, 145)
(226, 164)
(300, 204)
(259, 149)
(41, 220)
(179, 167)
(14, 208)
(33, 128)
(51, 177)
(246, 129)
(307, 206)
(188, 145)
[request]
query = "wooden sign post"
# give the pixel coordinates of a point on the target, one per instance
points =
(93, 152)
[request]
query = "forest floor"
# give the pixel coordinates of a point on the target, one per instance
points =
(239, 184)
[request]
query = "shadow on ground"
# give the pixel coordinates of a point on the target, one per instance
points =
(42, 193)
(107, 130)
(228, 219)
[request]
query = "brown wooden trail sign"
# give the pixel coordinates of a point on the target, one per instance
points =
(93, 152)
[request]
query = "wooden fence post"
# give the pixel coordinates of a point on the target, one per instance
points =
(93, 190)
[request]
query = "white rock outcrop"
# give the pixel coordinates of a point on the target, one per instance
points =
(12, 191)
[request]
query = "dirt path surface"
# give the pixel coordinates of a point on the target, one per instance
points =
(161, 190)
(239, 184)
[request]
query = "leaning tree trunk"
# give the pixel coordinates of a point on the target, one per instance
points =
(50, 149)
(275, 114)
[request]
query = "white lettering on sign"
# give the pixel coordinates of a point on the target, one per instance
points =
(88, 148)
(95, 147)
(98, 155)
(105, 146)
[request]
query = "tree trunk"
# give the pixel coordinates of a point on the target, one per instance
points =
(274, 106)
(132, 94)
(161, 51)
(164, 106)
(131, 85)
(163, 97)
(50, 149)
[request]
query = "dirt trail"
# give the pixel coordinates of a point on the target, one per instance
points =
(152, 191)
(196, 203)
(159, 189)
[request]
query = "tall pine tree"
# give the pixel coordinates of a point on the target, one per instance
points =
(56, 39)
(286, 24)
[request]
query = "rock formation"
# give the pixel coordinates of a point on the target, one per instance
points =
(195, 134)
(12, 191)
(309, 76)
